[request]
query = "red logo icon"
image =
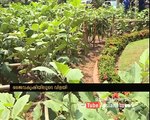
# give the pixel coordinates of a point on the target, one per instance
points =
(92, 105)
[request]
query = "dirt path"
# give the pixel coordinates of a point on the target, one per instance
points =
(89, 65)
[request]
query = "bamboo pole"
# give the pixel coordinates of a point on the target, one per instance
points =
(17, 64)
(4, 88)
(46, 113)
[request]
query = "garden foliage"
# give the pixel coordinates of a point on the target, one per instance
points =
(113, 48)
(68, 106)
(40, 32)
(137, 73)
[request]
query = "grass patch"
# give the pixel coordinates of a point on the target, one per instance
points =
(132, 53)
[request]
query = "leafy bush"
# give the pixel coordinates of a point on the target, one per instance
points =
(110, 52)
(130, 22)
(113, 48)
(13, 107)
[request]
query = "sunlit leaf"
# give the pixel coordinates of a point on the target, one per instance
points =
(74, 75)
(44, 69)
(37, 112)
(19, 105)
(35, 27)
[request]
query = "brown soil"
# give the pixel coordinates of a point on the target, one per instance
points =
(89, 65)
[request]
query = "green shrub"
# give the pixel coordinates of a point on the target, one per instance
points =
(113, 48)
(110, 51)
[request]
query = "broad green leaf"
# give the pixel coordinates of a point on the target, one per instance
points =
(125, 76)
(141, 97)
(2, 106)
(87, 96)
(29, 41)
(43, 26)
(19, 105)
(27, 107)
(35, 27)
(62, 68)
(44, 69)
(34, 36)
(40, 43)
(73, 101)
(74, 74)
(5, 115)
(55, 95)
(144, 56)
(54, 65)
(17, 94)
(20, 49)
(56, 22)
(133, 75)
(136, 72)
(37, 112)
(130, 115)
(7, 99)
(55, 106)
(11, 37)
(22, 28)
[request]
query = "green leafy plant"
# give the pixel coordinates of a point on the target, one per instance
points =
(71, 106)
(62, 72)
(13, 107)
(29, 34)
(138, 73)
(114, 46)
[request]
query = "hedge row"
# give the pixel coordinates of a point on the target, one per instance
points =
(112, 50)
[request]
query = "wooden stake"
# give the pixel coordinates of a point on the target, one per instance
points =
(4, 88)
